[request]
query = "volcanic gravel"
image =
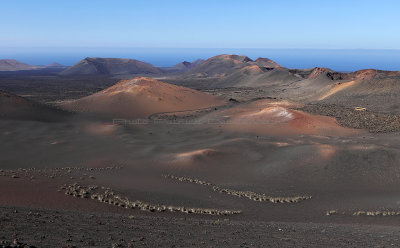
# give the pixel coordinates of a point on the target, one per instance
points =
(348, 117)
(50, 228)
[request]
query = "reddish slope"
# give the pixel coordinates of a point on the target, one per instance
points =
(141, 97)
(267, 117)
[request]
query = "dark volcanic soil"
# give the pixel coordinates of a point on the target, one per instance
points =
(364, 119)
(49, 228)
(48, 86)
(355, 178)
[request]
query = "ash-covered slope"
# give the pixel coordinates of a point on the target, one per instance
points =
(20, 108)
(110, 66)
(256, 76)
(373, 89)
(141, 97)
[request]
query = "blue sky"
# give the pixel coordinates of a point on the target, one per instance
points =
(351, 24)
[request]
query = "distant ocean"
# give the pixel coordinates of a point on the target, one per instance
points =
(340, 60)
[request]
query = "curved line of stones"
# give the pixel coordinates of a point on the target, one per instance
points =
(107, 195)
(366, 213)
(247, 194)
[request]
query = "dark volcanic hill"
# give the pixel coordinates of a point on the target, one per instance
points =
(15, 65)
(264, 62)
(256, 76)
(110, 66)
(221, 65)
(20, 108)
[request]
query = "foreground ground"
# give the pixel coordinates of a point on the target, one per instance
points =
(342, 174)
(49, 228)
(259, 171)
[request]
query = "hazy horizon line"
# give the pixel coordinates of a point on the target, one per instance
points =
(130, 47)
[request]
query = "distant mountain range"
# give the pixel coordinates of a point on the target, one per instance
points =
(221, 65)
(117, 66)
(15, 65)
(101, 66)
(226, 71)
(218, 66)
(224, 67)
